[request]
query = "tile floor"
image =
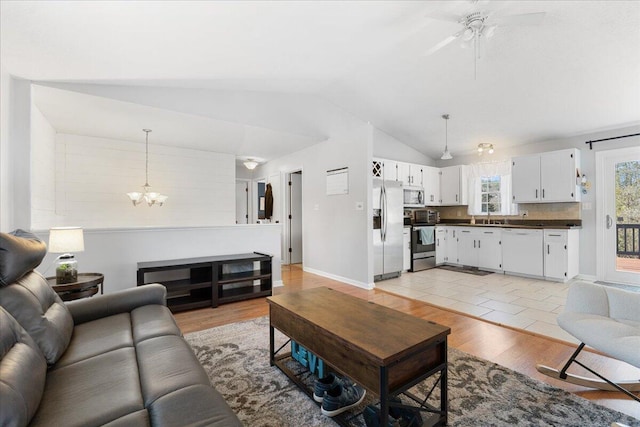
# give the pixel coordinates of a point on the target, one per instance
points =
(519, 302)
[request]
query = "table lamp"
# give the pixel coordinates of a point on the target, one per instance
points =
(66, 240)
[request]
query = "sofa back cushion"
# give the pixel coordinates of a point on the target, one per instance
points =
(22, 373)
(41, 312)
(29, 298)
(20, 252)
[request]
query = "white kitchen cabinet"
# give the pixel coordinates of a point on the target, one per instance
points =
(561, 260)
(522, 251)
(490, 249)
(453, 185)
(546, 177)
(441, 245)
(452, 244)
(480, 247)
(467, 250)
(410, 174)
(406, 257)
(431, 184)
(384, 169)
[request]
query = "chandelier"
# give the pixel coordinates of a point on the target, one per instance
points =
(151, 197)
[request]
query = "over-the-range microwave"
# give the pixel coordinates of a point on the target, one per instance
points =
(413, 197)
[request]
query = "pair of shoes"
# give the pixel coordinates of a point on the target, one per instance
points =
(323, 385)
(403, 417)
(337, 394)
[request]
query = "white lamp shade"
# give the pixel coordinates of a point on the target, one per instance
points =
(66, 239)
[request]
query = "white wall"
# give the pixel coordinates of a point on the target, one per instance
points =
(94, 175)
(116, 252)
(43, 171)
(5, 187)
(15, 209)
(335, 234)
(588, 250)
(387, 147)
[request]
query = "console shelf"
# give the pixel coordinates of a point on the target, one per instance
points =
(210, 281)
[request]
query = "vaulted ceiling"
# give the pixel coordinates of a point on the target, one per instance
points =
(264, 78)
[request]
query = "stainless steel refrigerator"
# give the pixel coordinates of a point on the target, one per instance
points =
(387, 229)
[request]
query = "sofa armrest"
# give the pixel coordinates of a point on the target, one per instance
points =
(88, 309)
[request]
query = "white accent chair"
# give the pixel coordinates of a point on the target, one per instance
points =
(607, 319)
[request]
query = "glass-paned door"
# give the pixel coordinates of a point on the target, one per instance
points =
(619, 216)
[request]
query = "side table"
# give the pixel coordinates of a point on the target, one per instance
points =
(86, 286)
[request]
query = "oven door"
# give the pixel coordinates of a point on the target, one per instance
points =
(423, 247)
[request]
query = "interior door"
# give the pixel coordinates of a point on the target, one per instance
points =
(295, 218)
(242, 202)
(618, 215)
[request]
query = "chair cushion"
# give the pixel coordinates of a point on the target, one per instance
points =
(22, 373)
(20, 252)
(41, 312)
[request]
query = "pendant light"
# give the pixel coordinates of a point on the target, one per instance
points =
(151, 197)
(446, 155)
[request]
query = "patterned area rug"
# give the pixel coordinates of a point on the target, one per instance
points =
(236, 357)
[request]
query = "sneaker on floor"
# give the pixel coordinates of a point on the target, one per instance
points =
(324, 384)
(341, 398)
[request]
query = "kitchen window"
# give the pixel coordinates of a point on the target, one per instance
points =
(490, 194)
(489, 187)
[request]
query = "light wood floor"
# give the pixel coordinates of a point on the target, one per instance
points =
(515, 349)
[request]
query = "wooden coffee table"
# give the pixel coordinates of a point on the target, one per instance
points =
(382, 349)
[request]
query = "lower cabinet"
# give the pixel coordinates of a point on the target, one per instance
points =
(406, 245)
(522, 251)
(479, 247)
(446, 245)
(561, 254)
(441, 245)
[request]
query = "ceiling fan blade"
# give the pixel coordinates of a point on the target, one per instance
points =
(523, 19)
(442, 44)
(443, 16)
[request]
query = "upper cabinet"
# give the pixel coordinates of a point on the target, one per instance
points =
(385, 169)
(410, 174)
(546, 177)
(431, 184)
(453, 186)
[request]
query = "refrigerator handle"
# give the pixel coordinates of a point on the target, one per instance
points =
(383, 213)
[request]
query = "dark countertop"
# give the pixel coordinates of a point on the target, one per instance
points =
(556, 224)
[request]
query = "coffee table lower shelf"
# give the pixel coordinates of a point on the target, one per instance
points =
(431, 416)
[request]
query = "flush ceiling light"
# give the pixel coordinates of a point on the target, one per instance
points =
(485, 147)
(151, 197)
(250, 164)
(446, 155)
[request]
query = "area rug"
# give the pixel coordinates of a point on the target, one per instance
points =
(468, 270)
(481, 393)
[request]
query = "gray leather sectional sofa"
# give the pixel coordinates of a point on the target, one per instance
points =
(114, 360)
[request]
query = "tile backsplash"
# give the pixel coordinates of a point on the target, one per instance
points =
(542, 211)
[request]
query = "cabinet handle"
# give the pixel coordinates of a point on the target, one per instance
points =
(438, 242)
(548, 250)
(478, 244)
(536, 193)
(474, 244)
(456, 197)
(556, 235)
(543, 193)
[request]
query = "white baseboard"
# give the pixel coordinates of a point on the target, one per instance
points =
(586, 277)
(277, 283)
(362, 285)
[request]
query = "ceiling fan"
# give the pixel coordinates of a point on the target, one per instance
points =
(478, 25)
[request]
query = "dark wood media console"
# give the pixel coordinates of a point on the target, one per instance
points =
(210, 281)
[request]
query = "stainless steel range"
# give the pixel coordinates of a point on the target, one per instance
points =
(423, 241)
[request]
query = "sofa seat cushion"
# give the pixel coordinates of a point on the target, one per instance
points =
(617, 339)
(97, 337)
(167, 364)
(92, 392)
(206, 408)
(150, 321)
(135, 419)
(22, 373)
(41, 312)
